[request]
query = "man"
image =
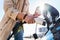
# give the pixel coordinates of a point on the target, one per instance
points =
(13, 12)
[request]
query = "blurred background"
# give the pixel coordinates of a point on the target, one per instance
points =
(29, 29)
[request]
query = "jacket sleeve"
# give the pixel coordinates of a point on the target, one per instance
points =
(26, 7)
(9, 9)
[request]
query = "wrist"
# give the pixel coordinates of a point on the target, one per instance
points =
(20, 16)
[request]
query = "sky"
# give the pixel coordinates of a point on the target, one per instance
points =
(35, 3)
(1, 9)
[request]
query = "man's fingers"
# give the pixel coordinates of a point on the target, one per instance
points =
(29, 19)
(36, 15)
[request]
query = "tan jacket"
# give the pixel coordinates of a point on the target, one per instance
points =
(11, 8)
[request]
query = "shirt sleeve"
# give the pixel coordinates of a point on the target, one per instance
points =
(9, 9)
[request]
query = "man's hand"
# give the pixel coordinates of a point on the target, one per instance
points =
(29, 19)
